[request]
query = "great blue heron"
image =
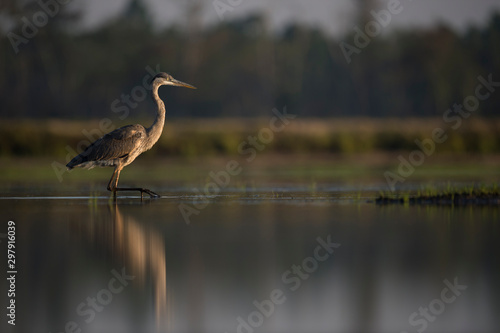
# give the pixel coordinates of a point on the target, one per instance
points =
(120, 147)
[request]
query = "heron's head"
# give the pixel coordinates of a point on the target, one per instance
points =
(167, 79)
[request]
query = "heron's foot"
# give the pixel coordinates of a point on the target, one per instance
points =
(152, 194)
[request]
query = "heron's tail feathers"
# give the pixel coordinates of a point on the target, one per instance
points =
(77, 161)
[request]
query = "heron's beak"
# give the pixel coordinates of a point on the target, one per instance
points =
(178, 83)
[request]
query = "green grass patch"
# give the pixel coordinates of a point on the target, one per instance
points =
(451, 195)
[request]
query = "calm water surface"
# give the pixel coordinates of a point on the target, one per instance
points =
(264, 261)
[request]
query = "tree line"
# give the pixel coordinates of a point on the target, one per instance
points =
(242, 68)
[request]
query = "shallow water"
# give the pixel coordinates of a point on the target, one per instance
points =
(261, 260)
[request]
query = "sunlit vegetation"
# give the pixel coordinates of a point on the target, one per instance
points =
(212, 137)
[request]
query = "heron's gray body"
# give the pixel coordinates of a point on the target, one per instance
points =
(121, 147)
(117, 148)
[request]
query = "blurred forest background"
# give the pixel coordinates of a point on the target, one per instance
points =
(243, 69)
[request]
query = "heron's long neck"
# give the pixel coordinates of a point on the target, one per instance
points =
(154, 132)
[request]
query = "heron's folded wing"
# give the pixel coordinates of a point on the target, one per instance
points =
(116, 144)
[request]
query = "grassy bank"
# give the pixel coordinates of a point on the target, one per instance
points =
(212, 137)
(310, 171)
(471, 195)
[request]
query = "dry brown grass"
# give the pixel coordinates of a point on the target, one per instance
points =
(186, 137)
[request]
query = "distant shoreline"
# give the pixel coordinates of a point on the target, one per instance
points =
(185, 137)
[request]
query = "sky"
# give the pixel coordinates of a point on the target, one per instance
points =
(334, 16)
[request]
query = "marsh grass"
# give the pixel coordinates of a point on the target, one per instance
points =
(309, 152)
(450, 195)
(210, 137)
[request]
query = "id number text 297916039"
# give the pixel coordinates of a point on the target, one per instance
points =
(11, 272)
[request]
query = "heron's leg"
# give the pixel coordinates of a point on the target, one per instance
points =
(113, 186)
(114, 181)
